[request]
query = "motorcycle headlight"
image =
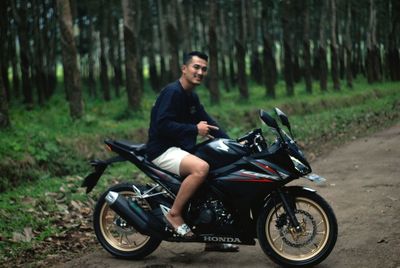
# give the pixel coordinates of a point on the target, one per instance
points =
(299, 166)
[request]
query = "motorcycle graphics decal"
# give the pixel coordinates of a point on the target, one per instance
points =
(222, 146)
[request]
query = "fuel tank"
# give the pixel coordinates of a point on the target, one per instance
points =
(220, 152)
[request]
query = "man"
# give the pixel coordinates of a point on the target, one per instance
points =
(177, 118)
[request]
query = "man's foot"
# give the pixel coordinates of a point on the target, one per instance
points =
(179, 226)
(221, 247)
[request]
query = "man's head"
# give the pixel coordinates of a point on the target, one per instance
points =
(194, 68)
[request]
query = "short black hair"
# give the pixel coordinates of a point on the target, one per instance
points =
(188, 56)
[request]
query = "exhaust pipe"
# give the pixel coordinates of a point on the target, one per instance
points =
(143, 221)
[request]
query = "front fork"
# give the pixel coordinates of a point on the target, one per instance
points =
(289, 206)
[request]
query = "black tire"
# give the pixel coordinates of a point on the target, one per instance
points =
(307, 249)
(115, 235)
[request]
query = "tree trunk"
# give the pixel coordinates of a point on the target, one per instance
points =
(113, 31)
(212, 35)
(306, 47)
(269, 63)
(5, 46)
(70, 64)
(287, 47)
(223, 36)
(334, 48)
(173, 40)
(253, 26)
(4, 117)
(373, 58)
(153, 74)
(347, 47)
(134, 92)
(38, 60)
(20, 17)
(105, 84)
(241, 53)
(91, 42)
(323, 65)
(164, 72)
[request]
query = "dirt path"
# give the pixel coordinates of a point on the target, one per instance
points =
(363, 187)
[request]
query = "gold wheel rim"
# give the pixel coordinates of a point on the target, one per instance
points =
(117, 232)
(307, 244)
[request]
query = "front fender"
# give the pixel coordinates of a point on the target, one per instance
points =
(288, 190)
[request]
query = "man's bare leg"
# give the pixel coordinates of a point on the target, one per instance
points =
(196, 171)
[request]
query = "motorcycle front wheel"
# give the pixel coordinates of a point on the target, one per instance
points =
(291, 248)
(115, 234)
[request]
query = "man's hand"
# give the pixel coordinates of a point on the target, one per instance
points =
(203, 129)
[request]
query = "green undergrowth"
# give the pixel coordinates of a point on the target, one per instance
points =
(44, 156)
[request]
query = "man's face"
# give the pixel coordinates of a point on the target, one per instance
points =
(195, 70)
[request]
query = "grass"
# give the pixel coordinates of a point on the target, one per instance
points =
(44, 155)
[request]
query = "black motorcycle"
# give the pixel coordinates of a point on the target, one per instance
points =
(244, 198)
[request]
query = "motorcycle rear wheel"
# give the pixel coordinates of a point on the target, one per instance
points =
(312, 245)
(115, 234)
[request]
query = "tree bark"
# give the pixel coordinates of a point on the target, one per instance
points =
(134, 91)
(70, 63)
(20, 17)
(241, 54)
(306, 47)
(373, 58)
(347, 47)
(4, 117)
(212, 35)
(287, 47)
(253, 27)
(323, 65)
(334, 48)
(91, 42)
(269, 63)
(105, 84)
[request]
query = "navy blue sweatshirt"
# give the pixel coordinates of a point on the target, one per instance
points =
(174, 119)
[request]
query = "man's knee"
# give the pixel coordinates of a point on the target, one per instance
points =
(201, 169)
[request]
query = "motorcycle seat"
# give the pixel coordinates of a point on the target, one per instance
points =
(137, 148)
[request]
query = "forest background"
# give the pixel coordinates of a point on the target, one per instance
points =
(76, 72)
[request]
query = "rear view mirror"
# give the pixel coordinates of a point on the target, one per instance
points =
(268, 119)
(284, 119)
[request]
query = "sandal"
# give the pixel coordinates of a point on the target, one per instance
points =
(183, 230)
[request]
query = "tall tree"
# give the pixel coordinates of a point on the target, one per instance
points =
(4, 117)
(173, 39)
(21, 19)
(334, 48)
(212, 35)
(134, 91)
(70, 63)
(287, 46)
(105, 84)
(269, 63)
(373, 58)
(241, 52)
(347, 45)
(306, 47)
(323, 65)
(253, 26)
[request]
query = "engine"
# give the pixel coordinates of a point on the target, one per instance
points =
(212, 212)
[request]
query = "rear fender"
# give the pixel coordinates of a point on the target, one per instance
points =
(99, 167)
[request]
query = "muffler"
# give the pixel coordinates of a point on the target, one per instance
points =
(143, 221)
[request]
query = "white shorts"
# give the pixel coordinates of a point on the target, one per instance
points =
(171, 159)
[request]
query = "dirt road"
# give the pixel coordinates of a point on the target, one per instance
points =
(363, 187)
